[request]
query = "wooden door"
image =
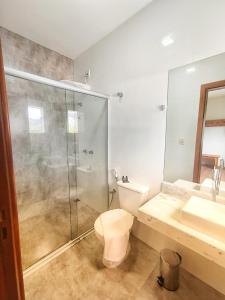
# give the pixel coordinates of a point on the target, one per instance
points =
(11, 278)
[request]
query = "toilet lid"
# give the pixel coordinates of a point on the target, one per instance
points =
(115, 222)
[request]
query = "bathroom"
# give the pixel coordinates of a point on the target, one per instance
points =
(112, 124)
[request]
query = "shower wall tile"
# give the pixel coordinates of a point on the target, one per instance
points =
(26, 55)
(38, 157)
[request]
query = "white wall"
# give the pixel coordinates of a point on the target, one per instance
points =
(132, 60)
(215, 107)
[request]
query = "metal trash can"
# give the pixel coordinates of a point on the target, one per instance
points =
(169, 269)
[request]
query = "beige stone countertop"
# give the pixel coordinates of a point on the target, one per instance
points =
(162, 213)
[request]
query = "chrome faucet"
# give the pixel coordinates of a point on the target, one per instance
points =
(217, 174)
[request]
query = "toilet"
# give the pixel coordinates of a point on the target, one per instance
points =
(113, 227)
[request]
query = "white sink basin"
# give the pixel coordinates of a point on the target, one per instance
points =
(206, 216)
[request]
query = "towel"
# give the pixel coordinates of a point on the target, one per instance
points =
(116, 226)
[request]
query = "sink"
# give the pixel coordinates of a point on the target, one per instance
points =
(205, 216)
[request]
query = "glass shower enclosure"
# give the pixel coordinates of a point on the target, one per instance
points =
(60, 147)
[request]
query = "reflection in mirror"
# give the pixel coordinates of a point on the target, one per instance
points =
(195, 131)
(213, 143)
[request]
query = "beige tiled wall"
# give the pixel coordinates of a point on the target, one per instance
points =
(26, 55)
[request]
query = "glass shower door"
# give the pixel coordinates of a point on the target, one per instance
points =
(60, 146)
(38, 124)
(88, 149)
(92, 156)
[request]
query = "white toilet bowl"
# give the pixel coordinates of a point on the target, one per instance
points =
(113, 227)
(116, 215)
(116, 228)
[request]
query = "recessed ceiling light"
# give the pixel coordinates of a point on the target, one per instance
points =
(191, 70)
(167, 40)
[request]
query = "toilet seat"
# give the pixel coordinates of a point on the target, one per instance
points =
(120, 222)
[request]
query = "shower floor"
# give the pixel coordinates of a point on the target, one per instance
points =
(78, 273)
(42, 234)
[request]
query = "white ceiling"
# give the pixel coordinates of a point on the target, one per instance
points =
(67, 26)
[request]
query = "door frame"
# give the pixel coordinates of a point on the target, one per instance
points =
(11, 275)
(205, 88)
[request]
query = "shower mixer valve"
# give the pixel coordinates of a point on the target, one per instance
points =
(88, 151)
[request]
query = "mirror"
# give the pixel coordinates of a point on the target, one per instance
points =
(210, 139)
(195, 133)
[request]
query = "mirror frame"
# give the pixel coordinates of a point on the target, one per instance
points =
(205, 89)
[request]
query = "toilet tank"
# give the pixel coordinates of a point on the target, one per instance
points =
(132, 196)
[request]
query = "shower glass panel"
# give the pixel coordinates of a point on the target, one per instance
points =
(60, 148)
(88, 156)
(38, 121)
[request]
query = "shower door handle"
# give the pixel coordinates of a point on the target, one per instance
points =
(76, 200)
